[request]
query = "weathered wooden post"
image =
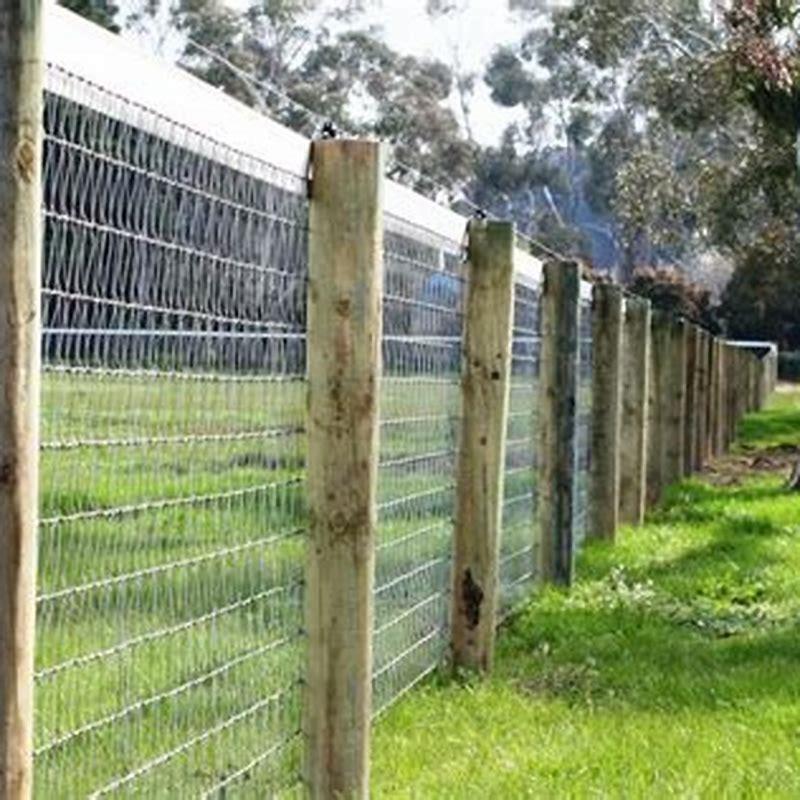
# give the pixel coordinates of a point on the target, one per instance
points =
(20, 341)
(692, 383)
(730, 394)
(676, 401)
(558, 384)
(657, 405)
(344, 364)
(741, 383)
(485, 388)
(701, 421)
(607, 323)
(754, 373)
(633, 435)
(722, 416)
(713, 395)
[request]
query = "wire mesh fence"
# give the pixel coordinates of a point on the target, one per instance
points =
(584, 421)
(420, 406)
(169, 646)
(517, 554)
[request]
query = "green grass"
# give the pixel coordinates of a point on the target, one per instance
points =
(112, 700)
(670, 669)
(776, 426)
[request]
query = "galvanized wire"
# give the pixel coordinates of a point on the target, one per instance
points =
(169, 637)
(169, 645)
(420, 407)
(584, 423)
(519, 532)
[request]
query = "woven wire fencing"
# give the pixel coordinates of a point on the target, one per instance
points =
(517, 553)
(169, 645)
(584, 421)
(420, 407)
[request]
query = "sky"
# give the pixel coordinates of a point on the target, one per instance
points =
(473, 34)
(470, 36)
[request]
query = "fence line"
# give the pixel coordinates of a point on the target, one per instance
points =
(191, 638)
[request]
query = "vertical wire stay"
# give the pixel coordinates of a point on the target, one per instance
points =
(169, 646)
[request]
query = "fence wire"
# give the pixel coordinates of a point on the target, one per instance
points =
(420, 407)
(170, 648)
(517, 554)
(584, 422)
(169, 645)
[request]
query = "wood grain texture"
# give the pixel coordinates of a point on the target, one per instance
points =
(634, 425)
(690, 427)
(344, 363)
(607, 324)
(485, 388)
(558, 396)
(657, 406)
(20, 342)
(676, 402)
(703, 385)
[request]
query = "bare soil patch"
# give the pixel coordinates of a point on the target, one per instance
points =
(730, 470)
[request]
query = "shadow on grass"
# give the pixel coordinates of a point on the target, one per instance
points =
(741, 538)
(632, 657)
(703, 629)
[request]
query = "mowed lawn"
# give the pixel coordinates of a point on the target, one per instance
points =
(672, 668)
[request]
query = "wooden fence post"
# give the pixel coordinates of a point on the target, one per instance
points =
(657, 406)
(741, 384)
(344, 363)
(692, 397)
(722, 415)
(607, 320)
(485, 388)
(21, 70)
(701, 413)
(675, 401)
(713, 387)
(734, 392)
(558, 383)
(633, 435)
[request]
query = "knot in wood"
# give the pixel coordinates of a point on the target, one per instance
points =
(472, 596)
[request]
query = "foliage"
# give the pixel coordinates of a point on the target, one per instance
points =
(760, 302)
(101, 12)
(669, 290)
(789, 366)
(686, 119)
(342, 73)
(663, 673)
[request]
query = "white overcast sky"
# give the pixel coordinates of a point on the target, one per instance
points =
(474, 32)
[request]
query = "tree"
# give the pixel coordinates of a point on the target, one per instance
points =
(669, 290)
(270, 57)
(761, 302)
(101, 12)
(660, 97)
(764, 49)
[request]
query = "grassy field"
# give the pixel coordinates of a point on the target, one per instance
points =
(169, 632)
(670, 670)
